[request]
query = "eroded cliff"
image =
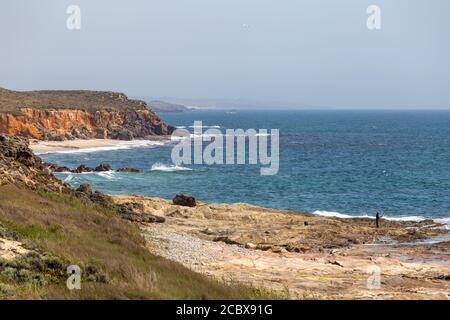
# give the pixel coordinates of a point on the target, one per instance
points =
(60, 115)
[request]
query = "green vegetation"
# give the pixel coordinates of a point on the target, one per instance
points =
(60, 230)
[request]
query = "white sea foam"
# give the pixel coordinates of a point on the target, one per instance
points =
(212, 127)
(120, 145)
(193, 136)
(110, 175)
(68, 178)
(168, 168)
(408, 218)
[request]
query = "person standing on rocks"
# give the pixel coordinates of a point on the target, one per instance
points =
(378, 216)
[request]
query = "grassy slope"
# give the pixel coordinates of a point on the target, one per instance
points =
(84, 233)
(12, 101)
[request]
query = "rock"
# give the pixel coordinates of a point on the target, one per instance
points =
(250, 245)
(264, 246)
(277, 250)
(147, 218)
(17, 149)
(101, 198)
(225, 239)
(296, 248)
(85, 188)
(20, 166)
(208, 232)
(134, 206)
(335, 262)
(122, 135)
(100, 133)
(55, 168)
(58, 137)
(62, 169)
(135, 212)
(82, 169)
(103, 167)
(131, 170)
(183, 200)
(82, 115)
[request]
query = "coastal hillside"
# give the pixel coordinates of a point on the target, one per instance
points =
(162, 106)
(45, 226)
(66, 115)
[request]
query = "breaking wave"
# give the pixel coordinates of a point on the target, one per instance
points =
(410, 218)
(109, 175)
(120, 145)
(212, 127)
(168, 168)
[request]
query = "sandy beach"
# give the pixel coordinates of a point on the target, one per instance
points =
(90, 145)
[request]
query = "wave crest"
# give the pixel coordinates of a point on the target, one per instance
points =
(410, 218)
(168, 168)
(119, 145)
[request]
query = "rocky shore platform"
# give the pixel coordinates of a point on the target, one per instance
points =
(300, 255)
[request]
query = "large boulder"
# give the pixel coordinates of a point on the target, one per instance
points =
(82, 169)
(183, 200)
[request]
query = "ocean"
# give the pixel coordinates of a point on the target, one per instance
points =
(343, 163)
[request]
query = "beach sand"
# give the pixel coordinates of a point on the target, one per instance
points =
(89, 145)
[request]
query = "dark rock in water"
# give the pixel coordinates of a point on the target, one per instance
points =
(103, 167)
(183, 200)
(62, 169)
(85, 188)
(82, 169)
(132, 170)
(56, 168)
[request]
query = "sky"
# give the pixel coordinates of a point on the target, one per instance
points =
(316, 53)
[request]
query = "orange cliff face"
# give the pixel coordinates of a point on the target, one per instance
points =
(62, 124)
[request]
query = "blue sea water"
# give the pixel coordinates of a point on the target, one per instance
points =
(351, 162)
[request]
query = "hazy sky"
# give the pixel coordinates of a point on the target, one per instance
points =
(310, 52)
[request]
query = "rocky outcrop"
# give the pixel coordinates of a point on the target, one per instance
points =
(136, 213)
(20, 166)
(63, 115)
(67, 124)
(83, 168)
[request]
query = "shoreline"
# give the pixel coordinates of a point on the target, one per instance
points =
(302, 255)
(297, 254)
(93, 145)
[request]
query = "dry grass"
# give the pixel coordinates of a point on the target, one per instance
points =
(83, 233)
(12, 101)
